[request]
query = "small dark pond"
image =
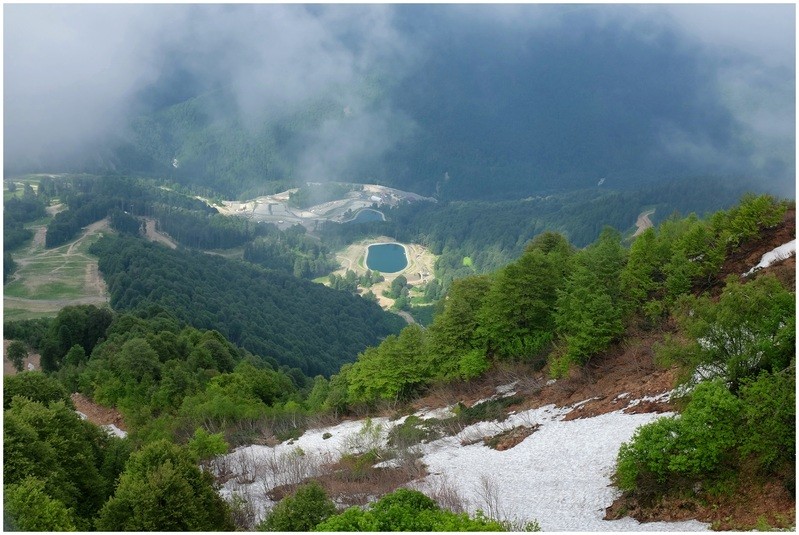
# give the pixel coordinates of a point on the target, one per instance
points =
(366, 215)
(386, 257)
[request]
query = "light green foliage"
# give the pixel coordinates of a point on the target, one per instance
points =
(472, 364)
(27, 507)
(751, 328)
(302, 511)
(162, 489)
(394, 370)
(638, 276)
(318, 394)
(709, 429)
(744, 221)
(642, 463)
(406, 510)
(698, 444)
(606, 259)
(680, 273)
(204, 445)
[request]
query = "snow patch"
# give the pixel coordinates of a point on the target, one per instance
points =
(559, 475)
(114, 430)
(775, 255)
(508, 389)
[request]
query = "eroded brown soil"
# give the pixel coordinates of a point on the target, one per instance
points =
(97, 414)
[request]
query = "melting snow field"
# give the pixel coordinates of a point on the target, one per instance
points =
(775, 255)
(559, 475)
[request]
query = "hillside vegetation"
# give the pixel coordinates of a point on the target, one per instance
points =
(188, 393)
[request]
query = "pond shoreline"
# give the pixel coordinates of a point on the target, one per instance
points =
(406, 254)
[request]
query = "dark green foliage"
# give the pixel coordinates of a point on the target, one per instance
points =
(162, 489)
(16, 212)
(769, 414)
(291, 250)
(312, 194)
(125, 223)
(302, 511)
(516, 318)
(17, 354)
(271, 314)
(413, 431)
(203, 230)
(65, 225)
(9, 266)
(586, 317)
(452, 333)
(83, 325)
(406, 510)
(398, 287)
(35, 386)
(32, 332)
(492, 234)
(167, 381)
(494, 409)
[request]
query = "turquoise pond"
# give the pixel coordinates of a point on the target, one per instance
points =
(386, 257)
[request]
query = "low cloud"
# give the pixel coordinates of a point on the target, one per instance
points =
(75, 75)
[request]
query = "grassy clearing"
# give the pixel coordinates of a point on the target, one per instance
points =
(50, 279)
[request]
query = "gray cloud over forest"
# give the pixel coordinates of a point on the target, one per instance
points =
(74, 75)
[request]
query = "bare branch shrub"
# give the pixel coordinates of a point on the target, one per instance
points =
(487, 489)
(244, 466)
(243, 511)
(444, 492)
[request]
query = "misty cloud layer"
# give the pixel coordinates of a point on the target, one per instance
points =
(76, 75)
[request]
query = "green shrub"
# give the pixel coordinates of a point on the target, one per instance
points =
(770, 418)
(413, 431)
(302, 511)
(493, 409)
(406, 510)
(696, 445)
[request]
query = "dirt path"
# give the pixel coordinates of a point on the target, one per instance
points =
(154, 235)
(643, 222)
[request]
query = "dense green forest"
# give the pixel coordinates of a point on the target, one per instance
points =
(271, 313)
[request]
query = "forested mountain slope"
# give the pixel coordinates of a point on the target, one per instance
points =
(288, 320)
